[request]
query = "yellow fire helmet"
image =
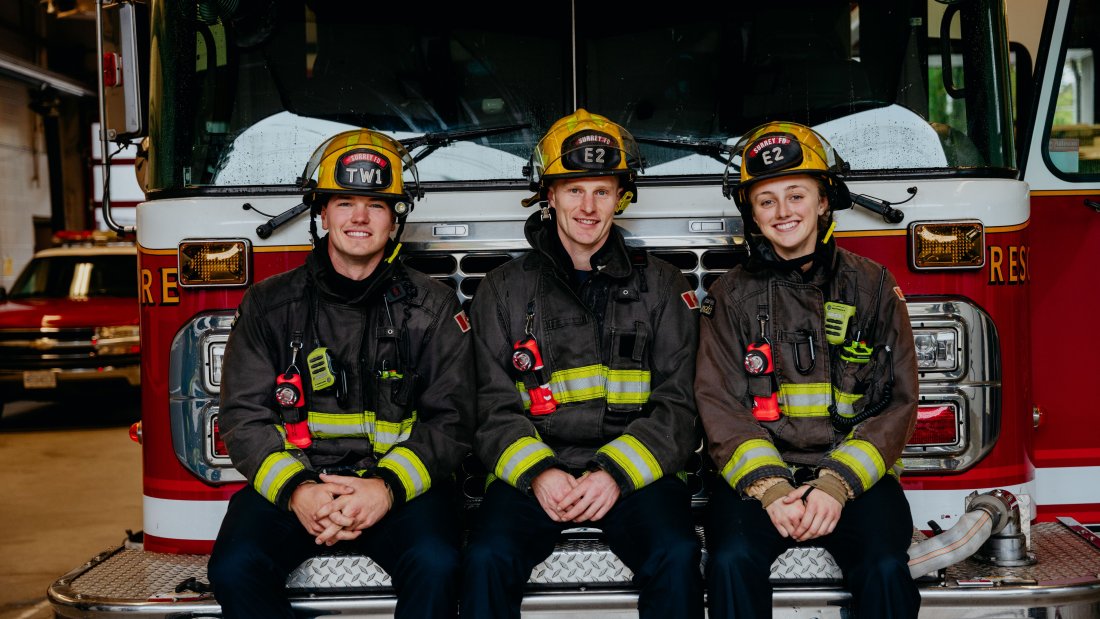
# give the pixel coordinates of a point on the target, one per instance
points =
(580, 145)
(784, 149)
(361, 162)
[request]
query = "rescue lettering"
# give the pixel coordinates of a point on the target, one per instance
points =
(1008, 265)
(168, 289)
(146, 287)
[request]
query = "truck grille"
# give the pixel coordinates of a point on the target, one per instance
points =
(463, 271)
(28, 349)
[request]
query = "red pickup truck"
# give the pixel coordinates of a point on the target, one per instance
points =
(69, 324)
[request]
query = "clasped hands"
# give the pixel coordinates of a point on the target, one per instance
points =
(340, 507)
(805, 513)
(566, 498)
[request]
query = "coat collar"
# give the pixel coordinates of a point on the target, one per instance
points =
(612, 259)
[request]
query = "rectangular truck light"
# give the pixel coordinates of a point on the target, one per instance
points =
(937, 424)
(214, 262)
(947, 245)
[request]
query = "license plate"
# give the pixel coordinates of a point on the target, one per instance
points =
(39, 379)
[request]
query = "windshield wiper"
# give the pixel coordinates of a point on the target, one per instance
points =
(889, 214)
(711, 148)
(436, 140)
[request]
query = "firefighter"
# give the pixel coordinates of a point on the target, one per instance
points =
(347, 400)
(807, 389)
(585, 350)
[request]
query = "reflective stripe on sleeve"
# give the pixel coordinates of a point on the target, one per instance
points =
(274, 473)
(749, 456)
(862, 459)
(634, 459)
(409, 469)
(520, 456)
(897, 469)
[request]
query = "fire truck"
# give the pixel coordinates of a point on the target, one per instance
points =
(974, 165)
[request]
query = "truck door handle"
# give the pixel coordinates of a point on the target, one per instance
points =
(1093, 204)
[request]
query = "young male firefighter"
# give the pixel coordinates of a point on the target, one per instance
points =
(585, 350)
(807, 388)
(347, 400)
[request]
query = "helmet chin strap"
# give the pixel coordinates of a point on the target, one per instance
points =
(313, 228)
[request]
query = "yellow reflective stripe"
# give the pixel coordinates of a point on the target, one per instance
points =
(520, 456)
(409, 469)
(382, 434)
(627, 386)
(749, 456)
(897, 469)
(593, 382)
(390, 433)
(579, 384)
(861, 458)
(805, 399)
(634, 459)
(337, 425)
(274, 472)
(844, 402)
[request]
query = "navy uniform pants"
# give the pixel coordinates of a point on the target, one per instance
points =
(869, 544)
(259, 545)
(651, 530)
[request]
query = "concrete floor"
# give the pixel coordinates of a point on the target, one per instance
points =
(70, 486)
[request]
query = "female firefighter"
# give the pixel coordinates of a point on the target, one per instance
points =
(807, 388)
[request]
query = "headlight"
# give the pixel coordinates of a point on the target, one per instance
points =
(117, 340)
(213, 351)
(936, 349)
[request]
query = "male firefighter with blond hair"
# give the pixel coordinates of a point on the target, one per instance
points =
(585, 349)
(347, 400)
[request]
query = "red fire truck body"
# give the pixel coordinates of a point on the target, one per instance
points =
(978, 197)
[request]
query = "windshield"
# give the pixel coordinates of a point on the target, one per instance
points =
(77, 277)
(242, 97)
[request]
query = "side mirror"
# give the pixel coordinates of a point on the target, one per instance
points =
(125, 40)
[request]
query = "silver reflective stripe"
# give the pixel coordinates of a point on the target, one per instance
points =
(274, 473)
(409, 469)
(635, 460)
(519, 457)
(760, 453)
(869, 468)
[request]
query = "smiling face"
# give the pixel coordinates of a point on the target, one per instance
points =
(358, 229)
(786, 209)
(584, 210)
